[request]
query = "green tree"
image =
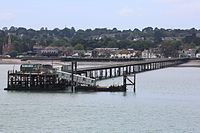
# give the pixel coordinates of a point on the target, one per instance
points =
(170, 48)
(60, 42)
(79, 47)
(2, 40)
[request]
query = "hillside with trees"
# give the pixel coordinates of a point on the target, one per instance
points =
(168, 40)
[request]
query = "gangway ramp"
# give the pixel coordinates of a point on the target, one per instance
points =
(76, 78)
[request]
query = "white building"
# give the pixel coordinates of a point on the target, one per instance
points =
(187, 53)
(50, 51)
(123, 54)
(148, 54)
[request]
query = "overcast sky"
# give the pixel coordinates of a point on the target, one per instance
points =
(85, 14)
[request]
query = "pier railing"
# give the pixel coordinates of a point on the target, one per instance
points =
(78, 79)
(105, 72)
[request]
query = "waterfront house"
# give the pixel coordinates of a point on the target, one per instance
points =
(187, 53)
(50, 51)
(151, 53)
(103, 52)
(37, 49)
(124, 53)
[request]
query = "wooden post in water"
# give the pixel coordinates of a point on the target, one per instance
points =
(134, 88)
(119, 71)
(110, 72)
(75, 63)
(74, 71)
(115, 72)
(124, 82)
(130, 69)
(125, 78)
(72, 76)
(8, 80)
(106, 74)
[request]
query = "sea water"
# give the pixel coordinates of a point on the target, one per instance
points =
(166, 101)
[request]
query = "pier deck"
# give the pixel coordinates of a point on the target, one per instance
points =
(105, 72)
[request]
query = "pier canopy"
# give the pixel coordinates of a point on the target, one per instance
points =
(27, 68)
(36, 68)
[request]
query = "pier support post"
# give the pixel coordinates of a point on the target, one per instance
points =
(134, 88)
(72, 77)
(106, 74)
(110, 72)
(124, 82)
(129, 69)
(73, 71)
(125, 78)
(8, 78)
(119, 71)
(115, 71)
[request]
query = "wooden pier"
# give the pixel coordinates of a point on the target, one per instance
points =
(105, 72)
(45, 78)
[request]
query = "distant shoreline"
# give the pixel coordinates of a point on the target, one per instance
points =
(19, 61)
(56, 63)
(10, 61)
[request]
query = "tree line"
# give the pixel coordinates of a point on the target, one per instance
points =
(168, 40)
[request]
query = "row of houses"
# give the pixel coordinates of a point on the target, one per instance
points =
(108, 52)
(100, 52)
(51, 51)
(97, 52)
(147, 53)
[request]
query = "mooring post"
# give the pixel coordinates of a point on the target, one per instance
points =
(8, 79)
(134, 88)
(125, 78)
(124, 81)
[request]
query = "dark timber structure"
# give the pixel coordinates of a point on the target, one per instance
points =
(35, 77)
(34, 81)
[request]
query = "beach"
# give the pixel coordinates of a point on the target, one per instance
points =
(55, 63)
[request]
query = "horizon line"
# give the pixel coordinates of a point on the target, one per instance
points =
(108, 28)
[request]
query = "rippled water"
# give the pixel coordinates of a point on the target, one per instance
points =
(166, 101)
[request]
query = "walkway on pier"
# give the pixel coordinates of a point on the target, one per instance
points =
(104, 72)
(76, 78)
